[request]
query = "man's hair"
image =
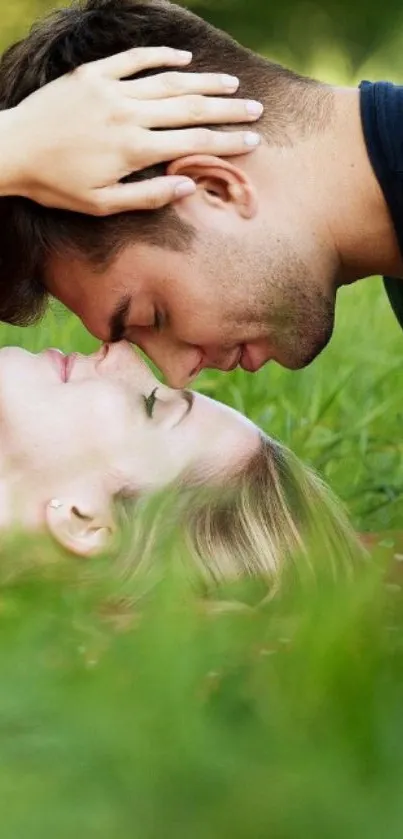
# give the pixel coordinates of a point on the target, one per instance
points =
(96, 29)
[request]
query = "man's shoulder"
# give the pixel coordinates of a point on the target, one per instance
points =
(394, 290)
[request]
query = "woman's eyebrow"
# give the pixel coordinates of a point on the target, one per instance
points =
(117, 320)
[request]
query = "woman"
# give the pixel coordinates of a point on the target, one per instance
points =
(81, 435)
(69, 144)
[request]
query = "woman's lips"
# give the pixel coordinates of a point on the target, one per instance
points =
(70, 361)
(62, 363)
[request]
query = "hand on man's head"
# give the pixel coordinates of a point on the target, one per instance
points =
(90, 129)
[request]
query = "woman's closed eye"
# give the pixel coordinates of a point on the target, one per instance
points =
(159, 320)
(172, 407)
(150, 401)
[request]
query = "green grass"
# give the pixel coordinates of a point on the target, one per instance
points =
(150, 717)
(138, 710)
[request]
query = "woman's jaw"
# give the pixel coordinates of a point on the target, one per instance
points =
(79, 430)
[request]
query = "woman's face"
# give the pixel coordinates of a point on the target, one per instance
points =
(89, 427)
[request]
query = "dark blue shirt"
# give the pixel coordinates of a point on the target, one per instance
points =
(382, 121)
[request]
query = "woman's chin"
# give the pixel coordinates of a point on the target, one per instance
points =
(227, 439)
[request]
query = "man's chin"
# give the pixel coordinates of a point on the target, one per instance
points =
(305, 355)
(294, 364)
(290, 362)
(294, 356)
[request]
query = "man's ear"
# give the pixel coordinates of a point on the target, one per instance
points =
(79, 525)
(220, 183)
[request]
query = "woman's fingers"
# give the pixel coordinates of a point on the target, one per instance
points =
(195, 110)
(167, 85)
(169, 145)
(116, 133)
(145, 195)
(135, 60)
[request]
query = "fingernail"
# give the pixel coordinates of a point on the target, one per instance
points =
(231, 82)
(251, 139)
(184, 55)
(185, 188)
(254, 108)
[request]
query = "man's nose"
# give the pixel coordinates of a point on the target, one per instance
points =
(179, 363)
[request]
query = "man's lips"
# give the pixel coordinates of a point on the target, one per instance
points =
(232, 363)
(251, 359)
(210, 363)
(247, 356)
(62, 363)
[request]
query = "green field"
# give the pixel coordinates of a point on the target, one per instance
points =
(133, 708)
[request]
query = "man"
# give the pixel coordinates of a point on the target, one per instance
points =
(247, 268)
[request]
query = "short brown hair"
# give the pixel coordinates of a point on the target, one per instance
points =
(93, 30)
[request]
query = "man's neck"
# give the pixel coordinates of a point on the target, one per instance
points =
(329, 190)
(352, 201)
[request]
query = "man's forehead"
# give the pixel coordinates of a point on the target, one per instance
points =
(137, 269)
(68, 275)
(75, 283)
(102, 299)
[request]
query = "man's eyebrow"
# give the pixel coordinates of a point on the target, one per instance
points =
(117, 320)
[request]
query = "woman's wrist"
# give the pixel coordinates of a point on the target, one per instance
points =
(15, 148)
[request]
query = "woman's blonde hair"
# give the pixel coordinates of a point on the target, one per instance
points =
(272, 511)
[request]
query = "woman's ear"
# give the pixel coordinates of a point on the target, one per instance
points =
(221, 183)
(78, 527)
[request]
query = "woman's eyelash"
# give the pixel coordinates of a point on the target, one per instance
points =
(150, 401)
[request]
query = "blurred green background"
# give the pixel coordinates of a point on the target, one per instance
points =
(338, 37)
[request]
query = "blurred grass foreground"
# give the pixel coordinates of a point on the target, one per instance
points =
(149, 711)
(146, 707)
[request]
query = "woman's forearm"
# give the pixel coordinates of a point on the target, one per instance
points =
(70, 144)
(13, 155)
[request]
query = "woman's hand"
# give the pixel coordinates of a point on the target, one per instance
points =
(71, 142)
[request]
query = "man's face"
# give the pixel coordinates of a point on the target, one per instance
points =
(190, 312)
(244, 293)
